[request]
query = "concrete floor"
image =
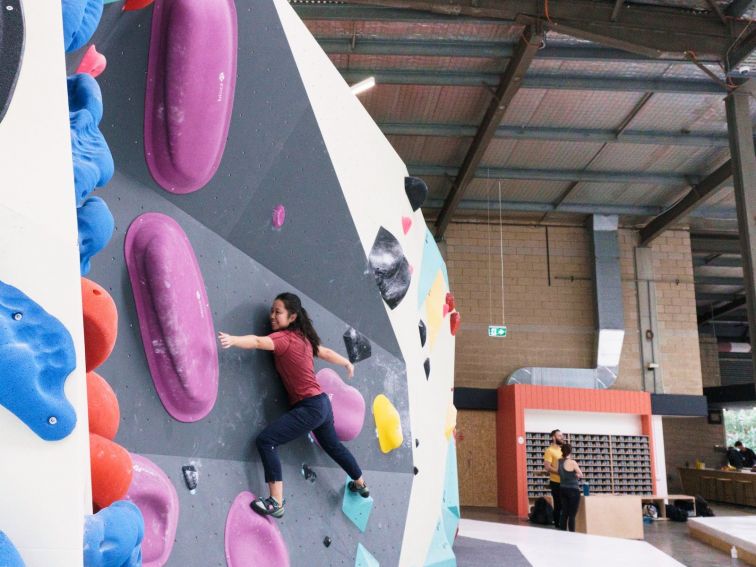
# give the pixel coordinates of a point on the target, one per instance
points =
(670, 537)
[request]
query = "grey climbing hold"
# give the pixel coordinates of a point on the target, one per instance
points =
(416, 190)
(390, 268)
(426, 365)
(423, 332)
(327, 541)
(308, 473)
(191, 476)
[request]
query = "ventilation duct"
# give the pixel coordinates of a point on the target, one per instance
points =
(610, 322)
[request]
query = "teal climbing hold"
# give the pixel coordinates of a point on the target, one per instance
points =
(451, 483)
(364, 558)
(440, 553)
(356, 508)
(431, 264)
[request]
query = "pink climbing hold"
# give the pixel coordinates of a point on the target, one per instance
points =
(252, 539)
(348, 404)
(411, 269)
(155, 496)
(445, 309)
(279, 216)
(406, 224)
(93, 63)
(450, 301)
(175, 318)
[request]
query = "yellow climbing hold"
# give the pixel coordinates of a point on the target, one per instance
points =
(388, 426)
(451, 421)
(434, 304)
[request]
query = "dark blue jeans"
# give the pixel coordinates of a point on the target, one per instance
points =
(311, 414)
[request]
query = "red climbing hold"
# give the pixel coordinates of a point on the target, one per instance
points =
(100, 323)
(450, 301)
(111, 469)
(445, 309)
(102, 403)
(93, 63)
(454, 322)
(406, 224)
(136, 4)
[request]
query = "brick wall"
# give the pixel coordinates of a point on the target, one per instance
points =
(687, 439)
(552, 323)
(709, 360)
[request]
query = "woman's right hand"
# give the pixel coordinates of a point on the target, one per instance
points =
(226, 340)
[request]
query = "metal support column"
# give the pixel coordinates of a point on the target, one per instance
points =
(648, 323)
(740, 131)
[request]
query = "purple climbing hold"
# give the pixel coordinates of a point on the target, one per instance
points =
(390, 268)
(252, 539)
(416, 190)
(357, 345)
(36, 356)
(174, 316)
(95, 230)
(348, 404)
(154, 495)
(279, 216)
(191, 77)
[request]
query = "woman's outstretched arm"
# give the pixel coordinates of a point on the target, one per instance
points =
(246, 341)
(335, 358)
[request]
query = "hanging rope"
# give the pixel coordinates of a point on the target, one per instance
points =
(501, 257)
(488, 255)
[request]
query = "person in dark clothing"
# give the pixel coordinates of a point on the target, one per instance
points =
(746, 454)
(734, 458)
(569, 491)
(551, 465)
(294, 343)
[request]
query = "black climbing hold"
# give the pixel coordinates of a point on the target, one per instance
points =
(357, 345)
(308, 473)
(191, 476)
(12, 47)
(416, 190)
(426, 365)
(415, 470)
(327, 541)
(417, 442)
(390, 268)
(423, 332)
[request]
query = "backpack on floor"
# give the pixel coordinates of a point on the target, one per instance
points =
(703, 508)
(676, 514)
(541, 513)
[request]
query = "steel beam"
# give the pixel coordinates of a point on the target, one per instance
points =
(715, 243)
(717, 262)
(697, 195)
(509, 84)
(740, 51)
(352, 12)
(649, 30)
(719, 280)
(706, 139)
(738, 7)
(740, 130)
(733, 305)
(535, 207)
(433, 47)
(664, 178)
(435, 77)
(716, 297)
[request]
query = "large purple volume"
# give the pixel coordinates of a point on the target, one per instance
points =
(174, 316)
(191, 77)
(252, 539)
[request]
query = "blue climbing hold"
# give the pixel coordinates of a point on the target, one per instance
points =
(9, 556)
(364, 558)
(92, 160)
(80, 20)
(440, 553)
(431, 264)
(356, 508)
(36, 356)
(95, 230)
(113, 536)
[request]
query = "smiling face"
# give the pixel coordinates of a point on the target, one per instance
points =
(280, 318)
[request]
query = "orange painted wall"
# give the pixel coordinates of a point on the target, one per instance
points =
(510, 424)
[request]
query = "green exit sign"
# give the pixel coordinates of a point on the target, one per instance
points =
(497, 330)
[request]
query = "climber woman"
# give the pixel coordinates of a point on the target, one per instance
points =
(294, 342)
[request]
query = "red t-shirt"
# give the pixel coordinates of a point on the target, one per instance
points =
(293, 358)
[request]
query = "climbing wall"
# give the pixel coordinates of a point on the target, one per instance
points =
(245, 167)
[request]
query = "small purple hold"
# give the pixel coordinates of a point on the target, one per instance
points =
(279, 216)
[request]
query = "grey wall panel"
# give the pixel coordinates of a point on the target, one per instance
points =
(274, 154)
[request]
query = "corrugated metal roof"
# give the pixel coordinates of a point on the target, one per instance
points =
(482, 189)
(625, 194)
(430, 150)
(540, 154)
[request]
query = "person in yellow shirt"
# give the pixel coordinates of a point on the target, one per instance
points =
(551, 459)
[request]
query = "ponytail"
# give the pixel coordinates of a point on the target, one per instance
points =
(302, 322)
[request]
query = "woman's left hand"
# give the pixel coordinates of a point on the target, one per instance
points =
(350, 369)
